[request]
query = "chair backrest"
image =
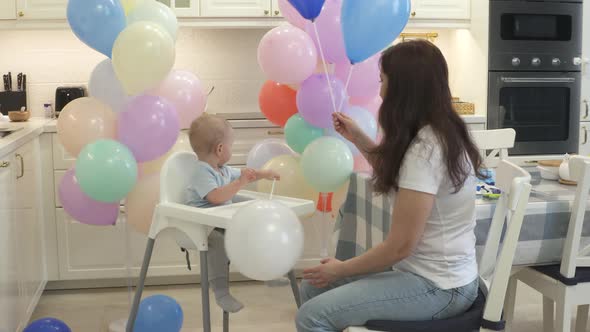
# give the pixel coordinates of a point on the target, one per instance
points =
(494, 268)
(176, 173)
(572, 256)
(496, 140)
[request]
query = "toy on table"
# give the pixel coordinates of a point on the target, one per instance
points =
(487, 188)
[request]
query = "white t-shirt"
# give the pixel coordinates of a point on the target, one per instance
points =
(446, 253)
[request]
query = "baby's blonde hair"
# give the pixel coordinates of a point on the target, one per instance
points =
(206, 133)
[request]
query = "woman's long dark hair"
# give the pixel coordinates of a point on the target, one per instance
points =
(418, 95)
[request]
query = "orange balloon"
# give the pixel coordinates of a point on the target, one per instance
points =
(277, 102)
(141, 202)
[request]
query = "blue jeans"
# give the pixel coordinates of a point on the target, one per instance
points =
(391, 295)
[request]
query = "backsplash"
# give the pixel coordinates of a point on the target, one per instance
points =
(225, 59)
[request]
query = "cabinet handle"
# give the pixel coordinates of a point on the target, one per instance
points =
(275, 132)
(22, 166)
(413, 14)
(4, 164)
(585, 135)
(277, 13)
(21, 14)
(266, 12)
(586, 108)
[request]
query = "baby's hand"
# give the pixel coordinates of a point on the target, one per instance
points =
(248, 175)
(272, 175)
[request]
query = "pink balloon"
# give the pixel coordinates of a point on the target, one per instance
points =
(330, 32)
(372, 106)
(148, 127)
(361, 165)
(287, 55)
(364, 83)
(314, 102)
(185, 91)
(291, 14)
(83, 208)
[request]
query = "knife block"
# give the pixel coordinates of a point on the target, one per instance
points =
(12, 101)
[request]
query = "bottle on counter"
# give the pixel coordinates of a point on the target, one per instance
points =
(49, 113)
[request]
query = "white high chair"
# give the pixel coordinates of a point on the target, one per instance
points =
(496, 140)
(485, 315)
(193, 226)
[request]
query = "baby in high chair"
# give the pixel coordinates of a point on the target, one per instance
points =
(214, 184)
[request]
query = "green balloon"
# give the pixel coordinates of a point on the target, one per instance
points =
(299, 133)
(327, 164)
(106, 170)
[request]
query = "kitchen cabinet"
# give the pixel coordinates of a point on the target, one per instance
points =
(441, 9)
(276, 11)
(183, 8)
(41, 9)
(7, 10)
(584, 139)
(237, 8)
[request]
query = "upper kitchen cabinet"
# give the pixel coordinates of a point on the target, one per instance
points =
(276, 11)
(441, 9)
(41, 9)
(183, 8)
(236, 8)
(7, 10)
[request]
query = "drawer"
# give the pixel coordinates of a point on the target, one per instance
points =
(246, 138)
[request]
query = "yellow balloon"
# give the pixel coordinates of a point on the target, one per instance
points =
(129, 5)
(143, 55)
(292, 183)
(141, 202)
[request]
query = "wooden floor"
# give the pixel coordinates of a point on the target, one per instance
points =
(267, 309)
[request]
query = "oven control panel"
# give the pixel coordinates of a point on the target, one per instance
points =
(532, 62)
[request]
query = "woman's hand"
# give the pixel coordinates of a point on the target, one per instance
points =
(323, 275)
(346, 127)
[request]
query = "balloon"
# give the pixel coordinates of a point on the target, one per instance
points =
(314, 101)
(129, 5)
(266, 150)
(261, 233)
(291, 14)
(372, 106)
(105, 86)
(327, 164)
(106, 171)
(47, 325)
(369, 28)
(309, 9)
(159, 313)
(287, 55)
(141, 202)
(154, 166)
(365, 82)
(185, 91)
(277, 102)
(292, 183)
(83, 121)
(364, 119)
(300, 133)
(148, 127)
(142, 56)
(97, 23)
(361, 165)
(83, 208)
(156, 12)
(329, 29)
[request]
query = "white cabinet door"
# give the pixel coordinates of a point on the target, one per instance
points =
(276, 11)
(441, 9)
(584, 139)
(7, 9)
(42, 9)
(183, 8)
(586, 62)
(235, 8)
(9, 272)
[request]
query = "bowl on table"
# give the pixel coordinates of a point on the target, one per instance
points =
(19, 116)
(549, 169)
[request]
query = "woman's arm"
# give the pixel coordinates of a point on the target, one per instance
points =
(412, 209)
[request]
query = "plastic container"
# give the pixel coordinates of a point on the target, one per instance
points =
(49, 113)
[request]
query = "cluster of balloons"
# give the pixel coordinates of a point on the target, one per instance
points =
(47, 325)
(346, 38)
(123, 132)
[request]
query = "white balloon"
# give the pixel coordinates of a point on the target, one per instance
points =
(364, 119)
(157, 12)
(266, 150)
(106, 87)
(264, 240)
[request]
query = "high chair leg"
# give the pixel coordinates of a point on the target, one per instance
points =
(205, 293)
(149, 248)
(295, 288)
(225, 313)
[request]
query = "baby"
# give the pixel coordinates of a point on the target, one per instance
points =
(215, 184)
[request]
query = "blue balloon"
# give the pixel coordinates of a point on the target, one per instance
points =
(97, 22)
(159, 313)
(47, 325)
(370, 26)
(309, 9)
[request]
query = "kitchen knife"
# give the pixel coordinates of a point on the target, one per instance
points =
(19, 82)
(9, 81)
(25, 82)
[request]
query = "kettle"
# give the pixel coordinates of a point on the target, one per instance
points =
(564, 168)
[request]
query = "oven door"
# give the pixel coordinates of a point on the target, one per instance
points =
(543, 109)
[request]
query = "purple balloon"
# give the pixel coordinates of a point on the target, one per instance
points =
(83, 208)
(330, 32)
(365, 82)
(314, 102)
(149, 127)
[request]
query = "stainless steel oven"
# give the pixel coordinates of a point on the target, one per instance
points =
(542, 107)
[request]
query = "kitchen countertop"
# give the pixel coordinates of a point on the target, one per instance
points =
(28, 130)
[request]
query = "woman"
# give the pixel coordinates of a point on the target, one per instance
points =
(428, 163)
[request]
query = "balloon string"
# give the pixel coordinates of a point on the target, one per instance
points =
(346, 87)
(272, 189)
(317, 34)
